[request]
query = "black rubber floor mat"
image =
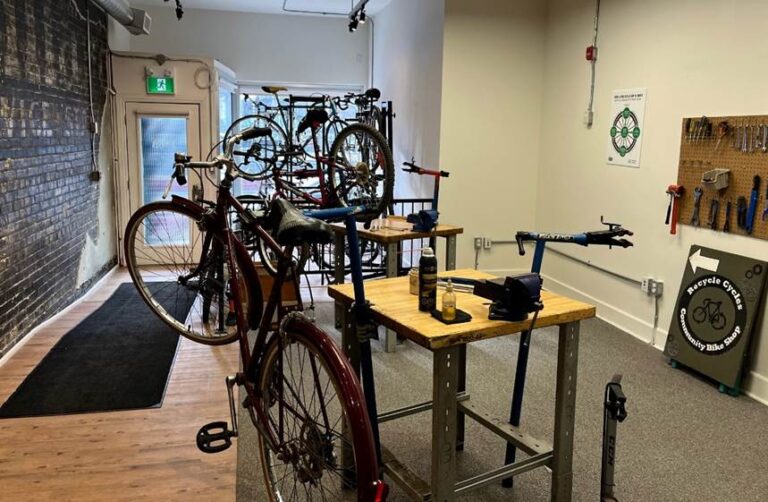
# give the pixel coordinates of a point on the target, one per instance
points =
(118, 358)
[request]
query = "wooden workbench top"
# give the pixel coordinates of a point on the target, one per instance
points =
(394, 307)
(397, 229)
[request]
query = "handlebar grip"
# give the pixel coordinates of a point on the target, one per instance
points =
(519, 237)
(178, 173)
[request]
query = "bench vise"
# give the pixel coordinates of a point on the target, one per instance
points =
(512, 298)
(423, 221)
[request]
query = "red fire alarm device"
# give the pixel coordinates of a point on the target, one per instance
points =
(591, 53)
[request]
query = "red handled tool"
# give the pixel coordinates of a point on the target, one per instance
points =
(675, 192)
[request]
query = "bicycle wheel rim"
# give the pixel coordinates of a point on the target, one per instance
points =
(310, 476)
(188, 277)
(361, 171)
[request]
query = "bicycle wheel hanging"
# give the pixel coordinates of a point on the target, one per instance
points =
(162, 246)
(361, 171)
(307, 410)
(257, 157)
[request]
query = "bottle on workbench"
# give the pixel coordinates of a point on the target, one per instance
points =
(449, 303)
(427, 280)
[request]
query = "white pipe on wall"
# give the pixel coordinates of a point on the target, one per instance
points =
(136, 21)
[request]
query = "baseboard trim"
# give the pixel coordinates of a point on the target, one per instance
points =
(18, 345)
(755, 385)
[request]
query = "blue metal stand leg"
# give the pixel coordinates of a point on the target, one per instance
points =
(366, 361)
(520, 372)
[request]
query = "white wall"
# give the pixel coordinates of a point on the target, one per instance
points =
(491, 113)
(696, 57)
(263, 47)
(407, 68)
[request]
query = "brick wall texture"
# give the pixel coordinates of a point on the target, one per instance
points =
(48, 204)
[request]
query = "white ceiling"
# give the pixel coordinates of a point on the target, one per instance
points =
(269, 6)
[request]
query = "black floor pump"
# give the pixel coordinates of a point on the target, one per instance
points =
(614, 412)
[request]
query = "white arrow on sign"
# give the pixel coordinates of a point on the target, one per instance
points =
(697, 261)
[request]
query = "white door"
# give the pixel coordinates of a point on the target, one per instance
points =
(155, 131)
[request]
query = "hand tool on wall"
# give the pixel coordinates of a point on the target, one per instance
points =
(714, 208)
(675, 192)
(765, 138)
(765, 211)
(723, 130)
(727, 224)
(744, 138)
(753, 200)
(741, 213)
(696, 206)
(688, 128)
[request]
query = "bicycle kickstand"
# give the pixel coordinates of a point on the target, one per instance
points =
(216, 437)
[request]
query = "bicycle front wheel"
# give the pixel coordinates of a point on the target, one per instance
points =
(313, 408)
(181, 272)
(361, 171)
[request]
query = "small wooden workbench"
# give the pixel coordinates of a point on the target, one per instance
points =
(395, 308)
(394, 231)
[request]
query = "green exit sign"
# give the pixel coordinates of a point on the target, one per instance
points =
(160, 85)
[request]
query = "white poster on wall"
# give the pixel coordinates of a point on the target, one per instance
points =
(626, 129)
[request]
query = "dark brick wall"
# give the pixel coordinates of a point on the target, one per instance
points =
(47, 201)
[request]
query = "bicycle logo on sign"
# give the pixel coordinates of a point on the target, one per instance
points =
(710, 311)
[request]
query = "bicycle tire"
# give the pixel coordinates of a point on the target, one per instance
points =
(174, 267)
(699, 314)
(318, 432)
(332, 130)
(348, 171)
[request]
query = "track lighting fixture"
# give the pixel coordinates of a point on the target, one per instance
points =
(357, 15)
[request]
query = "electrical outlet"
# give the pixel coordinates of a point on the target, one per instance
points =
(656, 288)
(478, 242)
(486, 243)
(652, 287)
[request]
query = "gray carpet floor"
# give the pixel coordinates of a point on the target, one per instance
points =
(682, 441)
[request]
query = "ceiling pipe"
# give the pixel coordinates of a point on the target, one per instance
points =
(135, 21)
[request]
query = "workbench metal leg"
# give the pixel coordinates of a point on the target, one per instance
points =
(450, 252)
(445, 383)
(391, 263)
(461, 387)
(565, 412)
(338, 273)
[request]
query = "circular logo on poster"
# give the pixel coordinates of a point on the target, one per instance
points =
(712, 314)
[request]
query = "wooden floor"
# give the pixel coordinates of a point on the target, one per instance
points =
(125, 455)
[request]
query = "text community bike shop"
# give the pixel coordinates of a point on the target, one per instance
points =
(383, 250)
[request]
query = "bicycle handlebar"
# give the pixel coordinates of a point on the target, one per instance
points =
(611, 237)
(413, 168)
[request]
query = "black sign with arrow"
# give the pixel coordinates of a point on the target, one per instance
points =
(719, 301)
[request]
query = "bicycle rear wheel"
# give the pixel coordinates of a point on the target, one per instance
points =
(361, 171)
(314, 408)
(182, 274)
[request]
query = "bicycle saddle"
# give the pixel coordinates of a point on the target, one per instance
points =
(291, 228)
(373, 93)
(273, 89)
(313, 118)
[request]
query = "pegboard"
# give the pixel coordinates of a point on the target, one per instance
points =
(706, 147)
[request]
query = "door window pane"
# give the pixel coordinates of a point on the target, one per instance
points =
(161, 137)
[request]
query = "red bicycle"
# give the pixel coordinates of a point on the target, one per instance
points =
(302, 394)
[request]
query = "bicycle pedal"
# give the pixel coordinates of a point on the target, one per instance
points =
(214, 437)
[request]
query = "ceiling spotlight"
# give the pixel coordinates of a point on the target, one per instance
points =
(362, 17)
(352, 25)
